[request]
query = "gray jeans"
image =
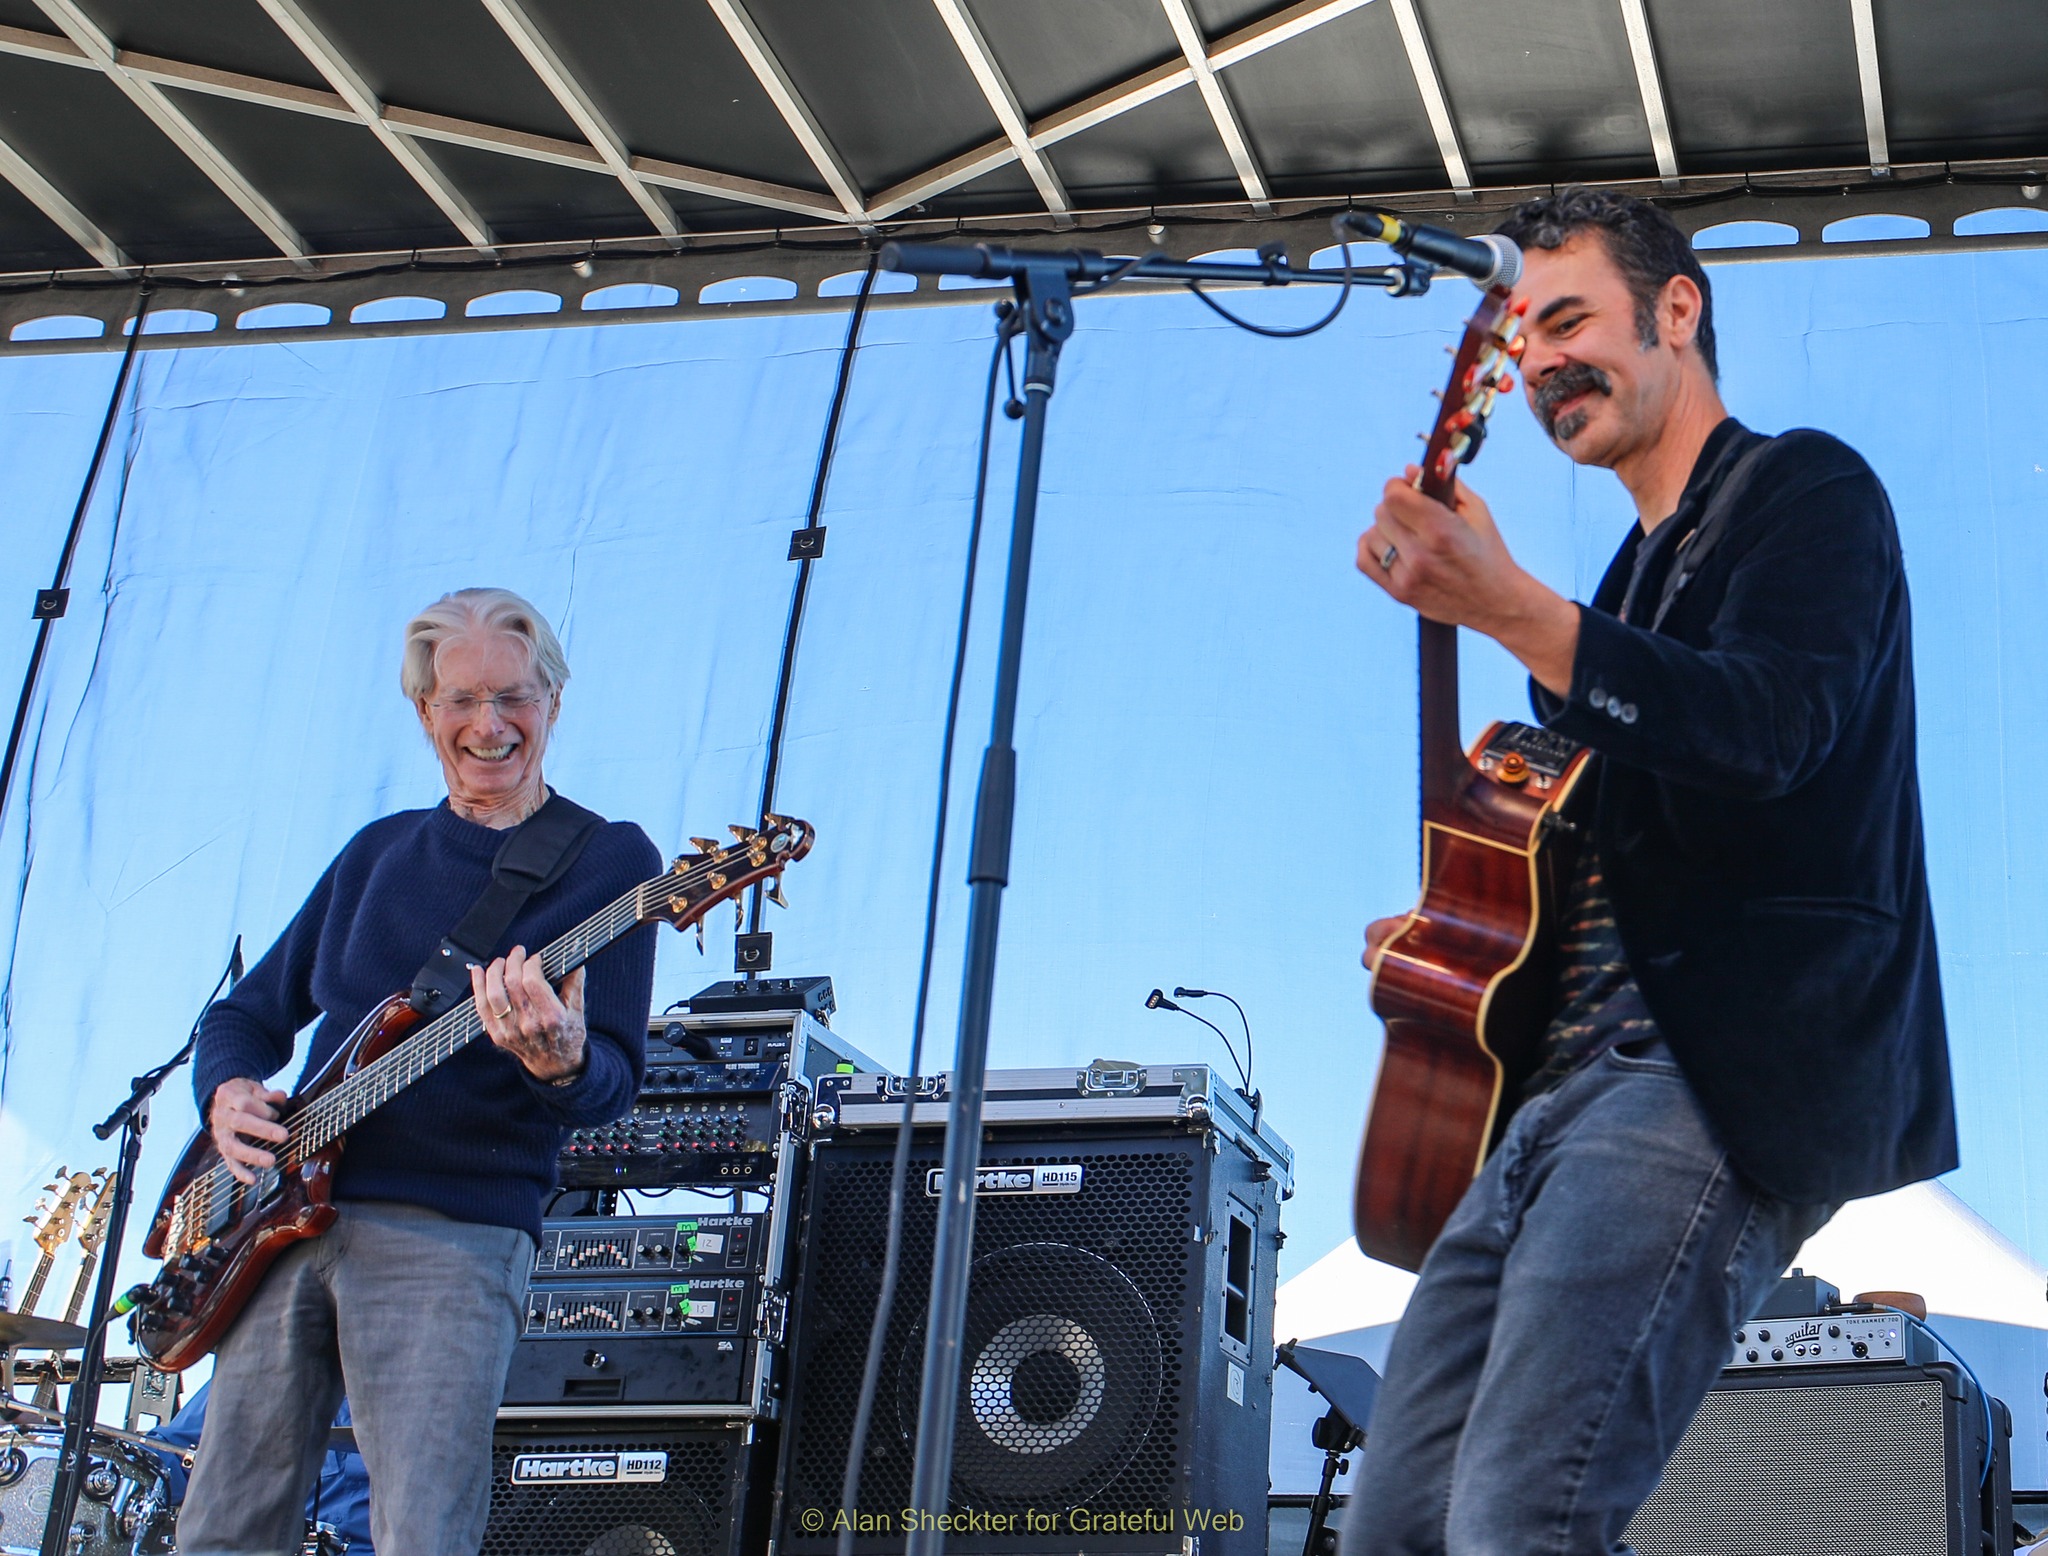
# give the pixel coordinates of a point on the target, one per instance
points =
(415, 1316)
(1568, 1322)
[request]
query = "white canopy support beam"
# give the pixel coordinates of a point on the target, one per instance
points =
(1100, 107)
(1238, 146)
(995, 86)
(293, 98)
(796, 113)
(1873, 88)
(312, 41)
(1423, 64)
(1650, 83)
(568, 90)
(47, 198)
(99, 51)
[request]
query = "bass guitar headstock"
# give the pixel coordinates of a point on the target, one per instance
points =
(58, 1217)
(94, 1232)
(1480, 374)
(722, 872)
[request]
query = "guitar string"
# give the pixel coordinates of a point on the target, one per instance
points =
(411, 1059)
(441, 1039)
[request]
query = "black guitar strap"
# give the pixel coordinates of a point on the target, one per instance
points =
(538, 852)
(1696, 547)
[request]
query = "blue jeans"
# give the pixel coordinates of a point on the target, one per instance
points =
(418, 1314)
(1568, 1323)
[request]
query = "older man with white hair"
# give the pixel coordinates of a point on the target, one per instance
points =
(413, 1300)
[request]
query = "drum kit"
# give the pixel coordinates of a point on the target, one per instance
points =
(125, 1509)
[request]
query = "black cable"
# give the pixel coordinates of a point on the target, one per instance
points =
(1218, 994)
(787, 673)
(892, 1255)
(46, 618)
(1243, 1070)
(1274, 331)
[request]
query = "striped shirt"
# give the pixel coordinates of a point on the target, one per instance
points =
(1599, 1005)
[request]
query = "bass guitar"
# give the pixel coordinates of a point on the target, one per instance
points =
(217, 1236)
(1464, 986)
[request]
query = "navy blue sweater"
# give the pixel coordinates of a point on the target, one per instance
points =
(476, 1138)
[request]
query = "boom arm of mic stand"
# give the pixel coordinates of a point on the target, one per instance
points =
(998, 262)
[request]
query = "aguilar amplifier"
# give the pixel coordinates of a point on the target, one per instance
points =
(1116, 1391)
(1873, 1457)
(682, 1489)
(714, 1101)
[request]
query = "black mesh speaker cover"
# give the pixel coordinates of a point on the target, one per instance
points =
(1087, 1347)
(1060, 1378)
(1853, 1461)
(692, 1511)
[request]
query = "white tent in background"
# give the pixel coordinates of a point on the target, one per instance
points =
(1985, 1297)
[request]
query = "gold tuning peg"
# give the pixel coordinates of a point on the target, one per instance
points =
(700, 937)
(742, 834)
(775, 894)
(705, 845)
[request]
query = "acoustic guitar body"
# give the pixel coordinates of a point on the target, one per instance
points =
(218, 1245)
(1466, 986)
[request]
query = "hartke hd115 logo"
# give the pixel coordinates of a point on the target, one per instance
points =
(615, 1469)
(1059, 1178)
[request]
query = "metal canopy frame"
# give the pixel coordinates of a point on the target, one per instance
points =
(563, 284)
(840, 180)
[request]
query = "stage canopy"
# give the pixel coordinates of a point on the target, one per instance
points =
(376, 236)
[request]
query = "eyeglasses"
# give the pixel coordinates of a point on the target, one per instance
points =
(509, 704)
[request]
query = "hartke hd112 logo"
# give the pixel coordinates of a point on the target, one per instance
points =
(1059, 1178)
(615, 1469)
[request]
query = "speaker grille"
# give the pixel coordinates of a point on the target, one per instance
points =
(688, 1513)
(1072, 1381)
(1860, 1467)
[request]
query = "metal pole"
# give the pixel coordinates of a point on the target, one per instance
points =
(1046, 304)
(83, 1407)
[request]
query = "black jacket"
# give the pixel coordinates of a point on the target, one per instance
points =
(1757, 809)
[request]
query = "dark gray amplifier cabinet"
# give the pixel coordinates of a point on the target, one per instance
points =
(1116, 1393)
(1849, 1460)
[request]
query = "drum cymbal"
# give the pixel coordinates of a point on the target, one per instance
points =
(43, 1333)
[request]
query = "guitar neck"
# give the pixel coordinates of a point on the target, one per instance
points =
(33, 1293)
(1443, 751)
(329, 1117)
(80, 1287)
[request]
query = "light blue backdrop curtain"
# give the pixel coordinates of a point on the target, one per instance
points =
(1217, 727)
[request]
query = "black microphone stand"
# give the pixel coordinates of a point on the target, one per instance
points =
(131, 1118)
(1044, 314)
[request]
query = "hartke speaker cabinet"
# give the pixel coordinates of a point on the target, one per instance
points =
(1849, 1461)
(583, 1488)
(1116, 1390)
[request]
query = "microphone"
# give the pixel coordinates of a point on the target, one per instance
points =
(1487, 261)
(1157, 1000)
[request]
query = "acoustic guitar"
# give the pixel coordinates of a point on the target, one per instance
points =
(1465, 985)
(217, 1236)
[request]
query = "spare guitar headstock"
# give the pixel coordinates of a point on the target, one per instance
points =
(57, 1220)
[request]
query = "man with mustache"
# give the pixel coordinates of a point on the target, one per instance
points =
(1748, 1028)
